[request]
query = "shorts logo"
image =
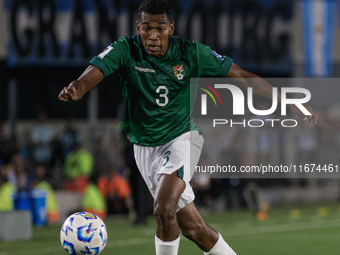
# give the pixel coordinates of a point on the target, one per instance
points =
(220, 57)
(166, 157)
(179, 72)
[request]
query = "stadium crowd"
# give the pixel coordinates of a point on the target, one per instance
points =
(115, 187)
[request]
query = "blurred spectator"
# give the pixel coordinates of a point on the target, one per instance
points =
(19, 174)
(54, 176)
(201, 183)
(7, 190)
(78, 167)
(328, 129)
(41, 137)
(93, 201)
(142, 199)
(3, 133)
(264, 135)
(70, 137)
(233, 186)
(249, 137)
(141, 196)
(101, 157)
(39, 182)
(115, 188)
(8, 145)
(306, 144)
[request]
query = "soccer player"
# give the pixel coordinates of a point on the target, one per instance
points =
(155, 69)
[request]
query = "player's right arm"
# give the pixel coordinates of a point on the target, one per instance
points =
(77, 89)
(262, 88)
(107, 62)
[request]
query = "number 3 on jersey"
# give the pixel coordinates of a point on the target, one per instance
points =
(163, 92)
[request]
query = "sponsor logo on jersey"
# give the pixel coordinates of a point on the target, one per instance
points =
(179, 72)
(145, 70)
(220, 57)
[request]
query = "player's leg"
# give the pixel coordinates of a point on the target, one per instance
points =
(168, 192)
(194, 228)
(169, 187)
(166, 188)
(173, 189)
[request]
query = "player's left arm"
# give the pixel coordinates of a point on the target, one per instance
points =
(263, 88)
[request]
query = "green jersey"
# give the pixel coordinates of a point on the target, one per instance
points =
(157, 92)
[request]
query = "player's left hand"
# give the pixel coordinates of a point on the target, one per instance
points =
(311, 119)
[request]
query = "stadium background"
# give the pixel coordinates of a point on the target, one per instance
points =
(46, 44)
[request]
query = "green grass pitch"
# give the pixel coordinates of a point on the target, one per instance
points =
(314, 232)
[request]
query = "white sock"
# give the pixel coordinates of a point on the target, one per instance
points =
(220, 248)
(166, 247)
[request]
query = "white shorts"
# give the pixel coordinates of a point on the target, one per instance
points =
(181, 154)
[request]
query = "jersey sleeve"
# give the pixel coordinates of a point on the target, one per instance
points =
(211, 63)
(113, 57)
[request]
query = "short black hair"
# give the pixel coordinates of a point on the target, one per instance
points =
(155, 7)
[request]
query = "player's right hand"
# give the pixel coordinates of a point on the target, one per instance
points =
(69, 93)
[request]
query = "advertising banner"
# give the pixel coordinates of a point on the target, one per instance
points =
(69, 33)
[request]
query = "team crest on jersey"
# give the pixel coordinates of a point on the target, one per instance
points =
(179, 72)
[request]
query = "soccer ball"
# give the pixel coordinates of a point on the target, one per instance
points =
(83, 233)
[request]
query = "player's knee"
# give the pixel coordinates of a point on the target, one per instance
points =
(164, 212)
(195, 233)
